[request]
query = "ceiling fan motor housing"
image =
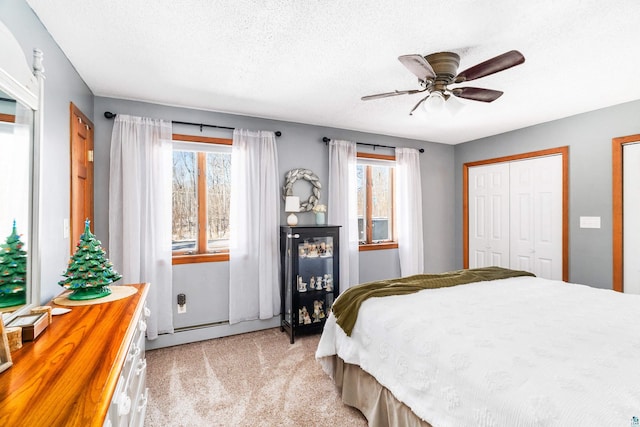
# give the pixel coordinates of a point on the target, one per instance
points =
(445, 66)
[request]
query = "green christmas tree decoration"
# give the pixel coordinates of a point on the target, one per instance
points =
(13, 271)
(89, 271)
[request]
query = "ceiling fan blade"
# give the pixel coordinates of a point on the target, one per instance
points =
(418, 66)
(491, 66)
(394, 93)
(477, 94)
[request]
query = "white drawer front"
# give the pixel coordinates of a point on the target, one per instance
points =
(129, 404)
(140, 408)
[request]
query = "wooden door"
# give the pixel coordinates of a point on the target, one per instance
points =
(631, 217)
(489, 215)
(536, 216)
(81, 174)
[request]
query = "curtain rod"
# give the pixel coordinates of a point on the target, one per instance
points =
(110, 115)
(326, 141)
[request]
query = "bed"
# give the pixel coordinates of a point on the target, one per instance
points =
(518, 351)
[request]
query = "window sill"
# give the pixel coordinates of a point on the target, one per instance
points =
(193, 259)
(378, 246)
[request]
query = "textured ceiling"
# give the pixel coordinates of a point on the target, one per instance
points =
(310, 61)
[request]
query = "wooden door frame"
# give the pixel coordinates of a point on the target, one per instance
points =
(618, 225)
(564, 152)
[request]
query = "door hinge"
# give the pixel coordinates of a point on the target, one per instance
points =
(90, 155)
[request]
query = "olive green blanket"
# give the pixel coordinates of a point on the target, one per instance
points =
(346, 307)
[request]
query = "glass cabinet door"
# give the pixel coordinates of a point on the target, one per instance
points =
(314, 279)
(310, 276)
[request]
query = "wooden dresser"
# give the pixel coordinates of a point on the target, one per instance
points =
(88, 368)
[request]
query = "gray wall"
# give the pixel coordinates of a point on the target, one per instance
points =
(300, 146)
(589, 137)
(205, 284)
(62, 86)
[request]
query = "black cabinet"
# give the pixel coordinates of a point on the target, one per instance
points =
(310, 271)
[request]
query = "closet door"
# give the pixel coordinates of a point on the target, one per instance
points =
(536, 216)
(489, 215)
(631, 217)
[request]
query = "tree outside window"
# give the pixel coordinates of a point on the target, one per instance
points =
(201, 198)
(375, 189)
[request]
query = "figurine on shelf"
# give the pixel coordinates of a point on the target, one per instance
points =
(302, 252)
(329, 246)
(313, 251)
(319, 283)
(302, 287)
(312, 283)
(323, 248)
(329, 286)
(304, 315)
(301, 313)
(318, 313)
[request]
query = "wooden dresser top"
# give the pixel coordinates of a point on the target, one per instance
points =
(67, 376)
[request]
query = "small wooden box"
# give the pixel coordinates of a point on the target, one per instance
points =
(14, 336)
(32, 325)
(43, 309)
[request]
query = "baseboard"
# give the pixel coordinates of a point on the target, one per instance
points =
(207, 332)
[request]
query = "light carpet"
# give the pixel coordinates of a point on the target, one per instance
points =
(253, 379)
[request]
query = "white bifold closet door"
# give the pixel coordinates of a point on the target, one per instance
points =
(631, 217)
(489, 215)
(536, 216)
(515, 215)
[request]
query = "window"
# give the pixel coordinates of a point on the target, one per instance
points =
(201, 192)
(375, 181)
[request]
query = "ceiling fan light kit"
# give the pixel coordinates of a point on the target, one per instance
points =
(434, 102)
(435, 72)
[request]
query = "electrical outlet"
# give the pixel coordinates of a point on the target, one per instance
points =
(182, 303)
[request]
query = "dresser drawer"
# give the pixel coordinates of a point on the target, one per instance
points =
(140, 406)
(135, 356)
(129, 402)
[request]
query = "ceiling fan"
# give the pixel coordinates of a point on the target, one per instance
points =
(437, 71)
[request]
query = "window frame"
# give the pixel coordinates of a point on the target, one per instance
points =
(201, 254)
(388, 244)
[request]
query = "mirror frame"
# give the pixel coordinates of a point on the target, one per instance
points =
(26, 85)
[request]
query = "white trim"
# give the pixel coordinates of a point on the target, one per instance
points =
(202, 333)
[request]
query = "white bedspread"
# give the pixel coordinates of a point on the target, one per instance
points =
(513, 352)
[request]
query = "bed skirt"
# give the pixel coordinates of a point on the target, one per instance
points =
(360, 390)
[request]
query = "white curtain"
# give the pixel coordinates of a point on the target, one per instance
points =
(409, 211)
(254, 276)
(343, 207)
(140, 212)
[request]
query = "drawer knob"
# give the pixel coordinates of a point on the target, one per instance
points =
(134, 352)
(143, 402)
(142, 365)
(142, 326)
(124, 404)
(147, 311)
